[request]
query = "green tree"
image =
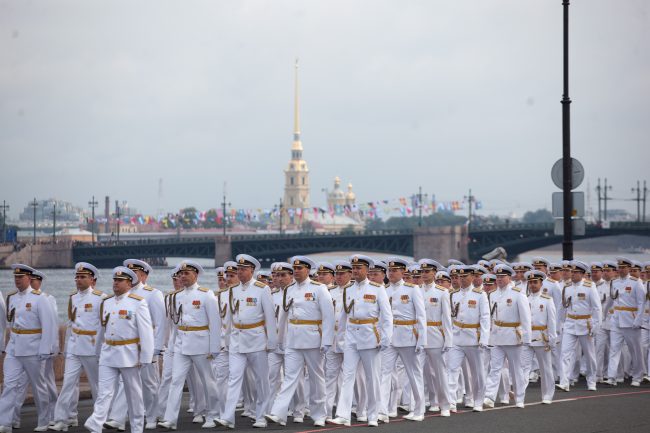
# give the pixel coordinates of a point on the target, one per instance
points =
(538, 216)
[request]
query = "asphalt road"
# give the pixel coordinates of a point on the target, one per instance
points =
(610, 409)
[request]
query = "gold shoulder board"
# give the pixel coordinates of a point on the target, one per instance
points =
(148, 288)
(372, 283)
(36, 292)
(97, 293)
(545, 296)
(139, 298)
(477, 290)
(258, 284)
(516, 289)
(203, 289)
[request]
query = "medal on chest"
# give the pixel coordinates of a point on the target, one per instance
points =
(371, 299)
(125, 314)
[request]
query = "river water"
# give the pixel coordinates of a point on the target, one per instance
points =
(60, 282)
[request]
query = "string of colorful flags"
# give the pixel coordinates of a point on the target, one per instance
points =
(378, 209)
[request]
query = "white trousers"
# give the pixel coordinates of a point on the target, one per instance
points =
(413, 368)
(360, 401)
(371, 360)
(69, 395)
(437, 376)
(195, 385)
(544, 360)
(150, 384)
(180, 371)
(602, 352)
(165, 382)
(645, 347)
(14, 368)
(259, 365)
(333, 364)
(108, 382)
(276, 363)
(474, 356)
(569, 355)
(498, 354)
(556, 352)
(220, 367)
(295, 361)
(631, 337)
(504, 387)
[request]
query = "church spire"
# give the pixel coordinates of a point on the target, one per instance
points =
(297, 144)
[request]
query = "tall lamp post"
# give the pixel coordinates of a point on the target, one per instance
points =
(567, 242)
(93, 204)
(54, 224)
(5, 207)
(117, 214)
(470, 200)
(223, 209)
(34, 205)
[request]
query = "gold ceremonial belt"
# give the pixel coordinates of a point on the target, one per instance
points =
(539, 328)
(632, 309)
(193, 328)
(249, 325)
(580, 316)
(404, 322)
(507, 324)
(467, 325)
(372, 320)
(26, 331)
(305, 322)
(434, 323)
(83, 332)
(122, 342)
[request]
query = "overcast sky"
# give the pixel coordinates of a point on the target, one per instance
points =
(105, 98)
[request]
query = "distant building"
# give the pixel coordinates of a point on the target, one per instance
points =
(337, 199)
(65, 211)
(296, 184)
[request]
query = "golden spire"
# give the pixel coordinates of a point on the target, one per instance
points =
(297, 144)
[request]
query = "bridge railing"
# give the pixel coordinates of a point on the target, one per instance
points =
(632, 225)
(167, 241)
(272, 236)
(239, 237)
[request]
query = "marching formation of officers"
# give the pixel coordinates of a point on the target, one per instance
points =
(327, 340)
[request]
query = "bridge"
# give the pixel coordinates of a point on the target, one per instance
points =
(439, 242)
